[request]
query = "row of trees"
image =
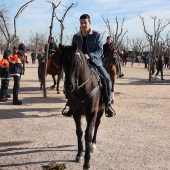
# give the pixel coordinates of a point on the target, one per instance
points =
(37, 39)
(153, 43)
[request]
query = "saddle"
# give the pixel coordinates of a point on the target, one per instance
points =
(102, 84)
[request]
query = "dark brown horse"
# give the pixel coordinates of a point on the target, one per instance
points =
(110, 66)
(55, 68)
(83, 92)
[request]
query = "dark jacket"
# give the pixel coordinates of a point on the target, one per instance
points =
(160, 64)
(4, 69)
(106, 49)
(15, 65)
(52, 46)
(94, 45)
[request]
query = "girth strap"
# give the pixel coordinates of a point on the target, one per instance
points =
(93, 92)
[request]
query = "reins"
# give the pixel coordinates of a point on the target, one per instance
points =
(55, 64)
(78, 87)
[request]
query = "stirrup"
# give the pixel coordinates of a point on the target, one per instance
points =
(110, 114)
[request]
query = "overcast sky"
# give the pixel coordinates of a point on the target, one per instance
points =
(37, 16)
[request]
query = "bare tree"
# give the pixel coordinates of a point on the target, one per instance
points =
(61, 21)
(54, 6)
(102, 34)
(17, 15)
(118, 34)
(154, 39)
(4, 27)
(47, 45)
(37, 40)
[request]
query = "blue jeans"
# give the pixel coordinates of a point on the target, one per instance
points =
(106, 76)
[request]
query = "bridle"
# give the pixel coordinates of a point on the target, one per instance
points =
(77, 79)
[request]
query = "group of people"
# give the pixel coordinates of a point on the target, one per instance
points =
(11, 67)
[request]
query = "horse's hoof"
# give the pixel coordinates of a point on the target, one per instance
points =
(79, 159)
(58, 92)
(112, 102)
(93, 148)
(87, 167)
(51, 87)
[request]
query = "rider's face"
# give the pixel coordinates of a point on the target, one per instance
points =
(22, 52)
(108, 40)
(85, 24)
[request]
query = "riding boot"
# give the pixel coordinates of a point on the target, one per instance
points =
(109, 111)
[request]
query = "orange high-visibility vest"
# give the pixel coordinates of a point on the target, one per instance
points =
(15, 59)
(4, 63)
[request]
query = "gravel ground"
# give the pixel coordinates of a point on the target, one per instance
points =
(137, 138)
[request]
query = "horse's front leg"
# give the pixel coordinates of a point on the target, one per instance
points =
(112, 92)
(98, 120)
(79, 133)
(88, 139)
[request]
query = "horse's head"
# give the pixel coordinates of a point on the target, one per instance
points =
(72, 62)
(113, 56)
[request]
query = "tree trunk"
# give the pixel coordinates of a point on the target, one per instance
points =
(45, 71)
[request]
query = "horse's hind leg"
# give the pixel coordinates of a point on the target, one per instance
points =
(79, 133)
(98, 120)
(54, 81)
(41, 85)
(58, 82)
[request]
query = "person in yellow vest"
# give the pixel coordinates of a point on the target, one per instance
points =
(5, 76)
(15, 66)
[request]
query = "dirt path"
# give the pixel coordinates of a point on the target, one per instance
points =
(137, 138)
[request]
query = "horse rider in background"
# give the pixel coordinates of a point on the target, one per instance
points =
(106, 47)
(51, 51)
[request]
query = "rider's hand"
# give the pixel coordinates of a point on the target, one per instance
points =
(87, 56)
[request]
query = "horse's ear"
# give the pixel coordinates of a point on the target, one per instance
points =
(74, 45)
(61, 46)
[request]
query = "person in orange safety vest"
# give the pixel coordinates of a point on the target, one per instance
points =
(15, 66)
(5, 76)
